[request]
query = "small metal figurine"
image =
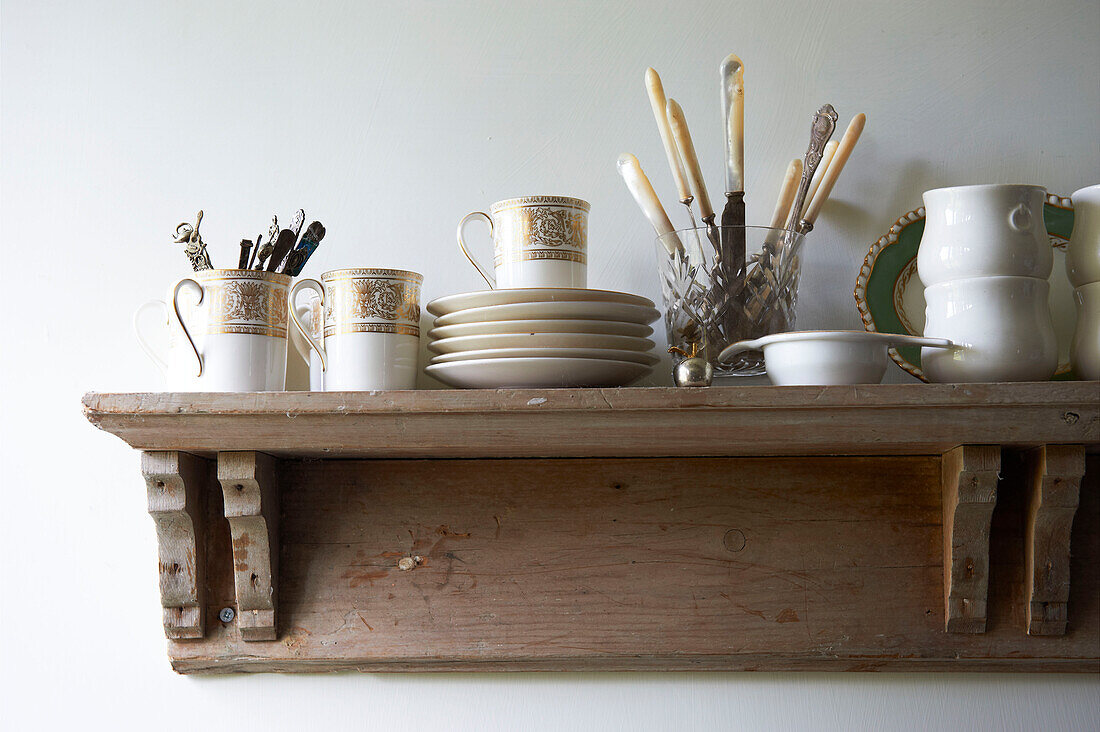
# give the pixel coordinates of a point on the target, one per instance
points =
(693, 370)
(194, 246)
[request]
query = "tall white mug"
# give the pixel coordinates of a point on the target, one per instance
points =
(538, 241)
(371, 336)
(1001, 328)
(1083, 251)
(986, 230)
(227, 331)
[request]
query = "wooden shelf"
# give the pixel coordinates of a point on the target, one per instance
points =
(912, 527)
(909, 419)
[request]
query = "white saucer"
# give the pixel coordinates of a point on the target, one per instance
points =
(552, 310)
(536, 373)
(539, 340)
(488, 298)
(605, 353)
(562, 325)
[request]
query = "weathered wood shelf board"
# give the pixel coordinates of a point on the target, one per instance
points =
(905, 528)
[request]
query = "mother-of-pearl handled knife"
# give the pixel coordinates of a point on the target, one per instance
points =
(682, 135)
(658, 102)
(646, 198)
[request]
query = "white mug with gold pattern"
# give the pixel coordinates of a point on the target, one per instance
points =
(227, 331)
(371, 337)
(538, 241)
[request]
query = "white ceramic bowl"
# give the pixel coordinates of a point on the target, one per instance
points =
(826, 357)
(1083, 252)
(1001, 327)
(1085, 350)
(975, 231)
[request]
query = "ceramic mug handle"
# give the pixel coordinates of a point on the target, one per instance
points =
(160, 363)
(176, 309)
(316, 287)
(462, 245)
(302, 352)
(732, 350)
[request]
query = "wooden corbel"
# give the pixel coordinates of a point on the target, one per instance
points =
(1054, 475)
(969, 480)
(175, 485)
(252, 508)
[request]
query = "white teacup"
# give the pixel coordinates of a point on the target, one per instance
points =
(371, 336)
(538, 241)
(988, 230)
(1001, 328)
(227, 331)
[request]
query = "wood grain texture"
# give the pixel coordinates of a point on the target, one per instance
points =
(1054, 476)
(175, 485)
(884, 419)
(831, 563)
(969, 481)
(251, 498)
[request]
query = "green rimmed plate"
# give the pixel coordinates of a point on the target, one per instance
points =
(890, 296)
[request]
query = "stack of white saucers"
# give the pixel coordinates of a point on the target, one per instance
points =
(541, 338)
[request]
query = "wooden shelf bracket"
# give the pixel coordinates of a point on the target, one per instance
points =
(248, 481)
(1054, 487)
(175, 485)
(969, 475)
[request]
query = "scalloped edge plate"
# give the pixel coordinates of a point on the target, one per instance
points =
(890, 298)
(489, 298)
(536, 373)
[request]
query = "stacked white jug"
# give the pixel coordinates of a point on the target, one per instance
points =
(985, 261)
(1083, 268)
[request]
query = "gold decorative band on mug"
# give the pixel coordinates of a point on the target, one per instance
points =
(395, 328)
(241, 303)
(371, 273)
(528, 255)
(236, 275)
(243, 329)
(360, 298)
(529, 201)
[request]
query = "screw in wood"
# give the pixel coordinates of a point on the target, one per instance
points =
(227, 614)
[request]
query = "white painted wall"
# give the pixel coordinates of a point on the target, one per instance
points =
(389, 121)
